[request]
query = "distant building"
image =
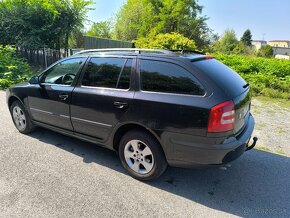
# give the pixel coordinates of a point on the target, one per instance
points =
(281, 51)
(259, 43)
(286, 57)
(279, 43)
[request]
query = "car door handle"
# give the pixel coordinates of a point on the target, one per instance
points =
(63, 97)
(120, 104)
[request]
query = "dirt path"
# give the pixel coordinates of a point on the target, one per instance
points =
(272, 125)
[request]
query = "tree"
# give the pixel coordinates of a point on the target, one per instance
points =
(247, 38)
(76, 39)
(135, 19)
(148, 18)
(266, 51)
(171, 41)
(38, 24)
(227, 43)
(101, 29)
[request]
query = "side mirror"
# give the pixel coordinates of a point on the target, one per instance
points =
(34, 80)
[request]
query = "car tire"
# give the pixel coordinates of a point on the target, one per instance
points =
(142, 156)
(21, 118)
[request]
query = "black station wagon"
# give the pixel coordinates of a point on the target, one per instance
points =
(155, 107)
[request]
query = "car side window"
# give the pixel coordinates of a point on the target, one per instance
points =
(158, 76)
(64, 72)
(108, 73)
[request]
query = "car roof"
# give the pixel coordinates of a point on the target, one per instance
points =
(159, 53)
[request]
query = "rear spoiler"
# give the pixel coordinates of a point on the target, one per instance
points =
(202, 57)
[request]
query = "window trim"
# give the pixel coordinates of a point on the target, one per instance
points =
(80, 79)
(168, 93)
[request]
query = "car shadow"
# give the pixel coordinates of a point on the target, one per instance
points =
(257, 184)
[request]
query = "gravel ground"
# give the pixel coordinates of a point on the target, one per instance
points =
(272, 125)
(46, 174)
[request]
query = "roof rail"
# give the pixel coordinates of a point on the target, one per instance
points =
(187, 51)
(133, 50)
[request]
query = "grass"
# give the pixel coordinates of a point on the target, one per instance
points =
(270, 101)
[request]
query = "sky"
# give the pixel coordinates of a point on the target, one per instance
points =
(267, 19)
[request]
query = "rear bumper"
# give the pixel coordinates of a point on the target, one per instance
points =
(191, 152)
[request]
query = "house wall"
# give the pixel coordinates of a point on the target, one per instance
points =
(281, 51)
(259, 44)
(283, 44)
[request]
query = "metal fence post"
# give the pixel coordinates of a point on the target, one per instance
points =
(45, 59)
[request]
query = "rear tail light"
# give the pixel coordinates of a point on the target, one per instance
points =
(222, 117)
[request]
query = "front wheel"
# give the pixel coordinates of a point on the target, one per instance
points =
(142, 155)
(21, 118)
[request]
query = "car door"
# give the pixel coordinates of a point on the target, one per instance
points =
(170, 98)
(103, 96)
(49, 100)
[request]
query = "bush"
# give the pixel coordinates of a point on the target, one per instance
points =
(12, 68)
(169, 41)
(266, 51)
(268, 77)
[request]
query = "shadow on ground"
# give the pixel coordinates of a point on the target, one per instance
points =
(258, 184)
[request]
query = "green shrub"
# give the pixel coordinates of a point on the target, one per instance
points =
(166, 41)
(12, 68)
(268, 77)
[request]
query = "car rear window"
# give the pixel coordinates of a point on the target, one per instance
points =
(223, 76)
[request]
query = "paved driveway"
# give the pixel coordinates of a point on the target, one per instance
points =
(46, 174)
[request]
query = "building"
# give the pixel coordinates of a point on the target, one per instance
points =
(281, 51)
(259, 43)
(279, 43)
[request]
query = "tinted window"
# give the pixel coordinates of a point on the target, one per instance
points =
(166, 77)
(64, 72)
(106, 72)
(222, 75)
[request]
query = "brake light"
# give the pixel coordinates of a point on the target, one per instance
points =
(222, 117)
(208, 57)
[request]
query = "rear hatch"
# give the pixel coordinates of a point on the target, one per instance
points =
(233, 85)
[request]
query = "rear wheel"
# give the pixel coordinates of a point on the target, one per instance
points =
(21, 118)
(142, 155)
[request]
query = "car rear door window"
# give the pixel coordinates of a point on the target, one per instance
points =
(167, 77)
(108, 73)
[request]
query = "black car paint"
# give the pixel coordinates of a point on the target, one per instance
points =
(179, 122)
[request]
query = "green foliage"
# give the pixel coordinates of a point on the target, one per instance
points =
(247, 38)
(227, 43)
(266, 51)
(268, 77)
(148, 18)
(166, 41)
(101, 29)
(76, 40)
(12, 68)
(44, 23)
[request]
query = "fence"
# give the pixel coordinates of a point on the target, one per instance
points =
(94, 43)
(41, 58)
(45, 57)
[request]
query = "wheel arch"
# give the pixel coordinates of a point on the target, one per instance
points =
(123, 129)
(12, 99)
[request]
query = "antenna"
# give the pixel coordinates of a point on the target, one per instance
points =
(197, 26)
(263, 36)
